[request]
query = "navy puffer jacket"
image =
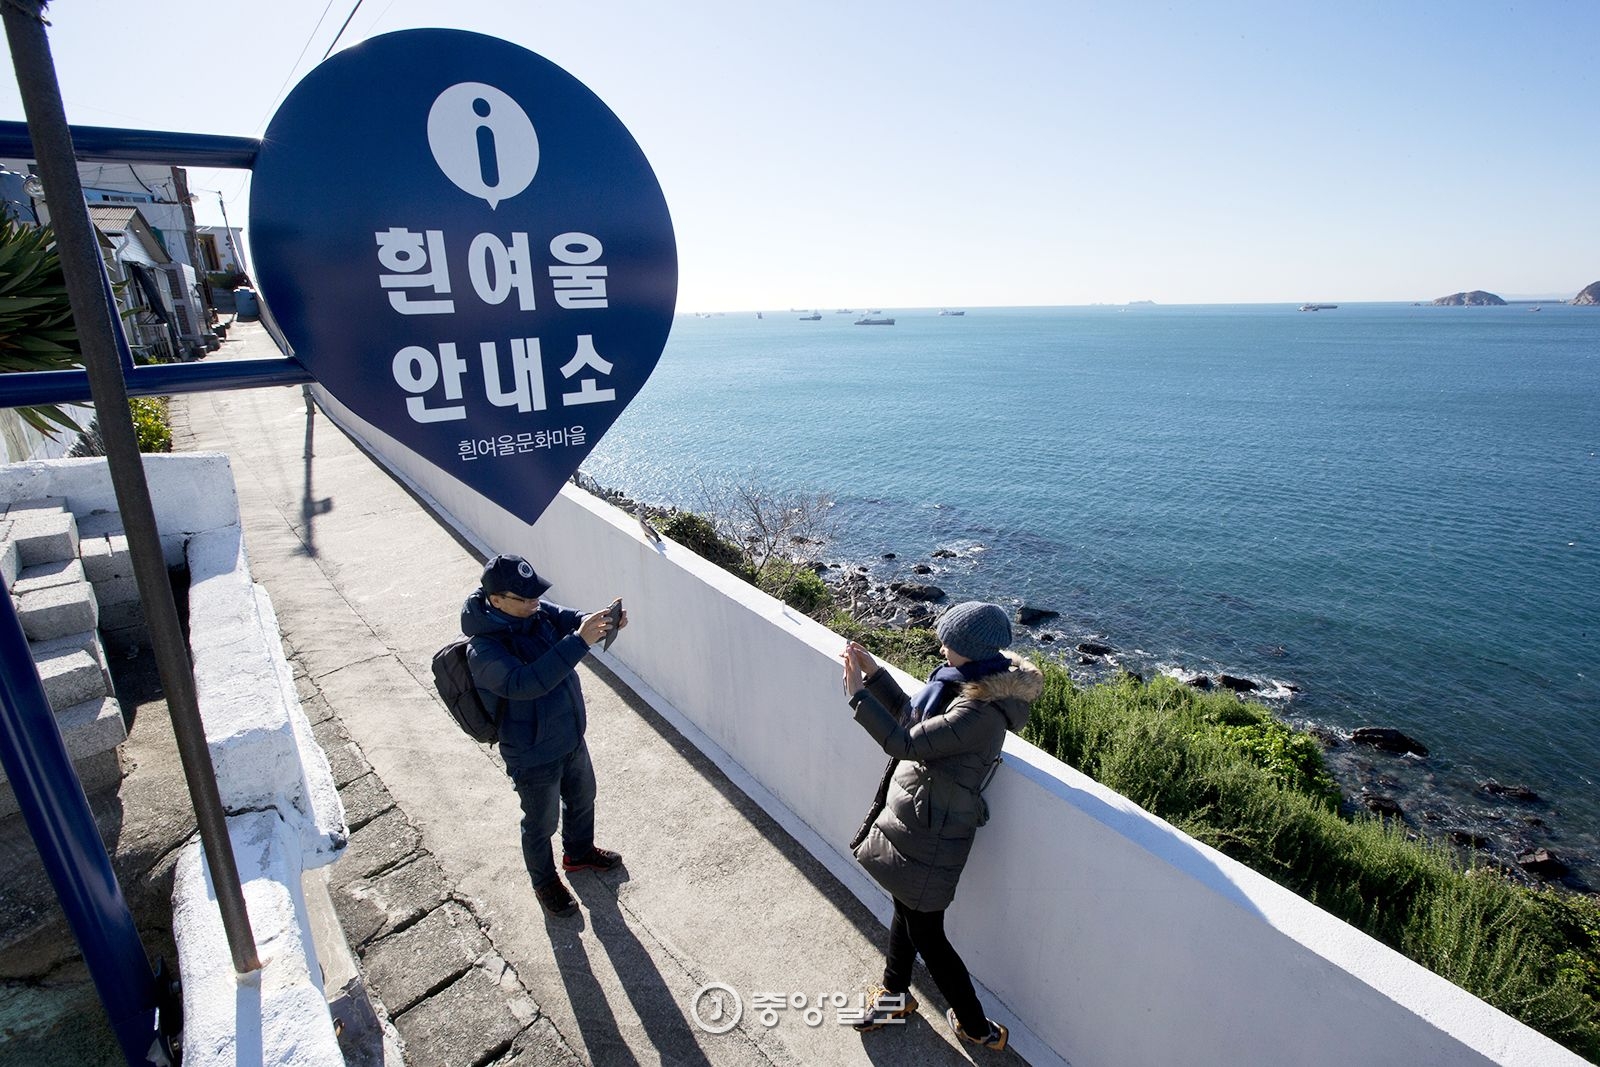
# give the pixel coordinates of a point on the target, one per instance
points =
(530, 662)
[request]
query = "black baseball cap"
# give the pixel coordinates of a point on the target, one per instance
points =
(514, 575)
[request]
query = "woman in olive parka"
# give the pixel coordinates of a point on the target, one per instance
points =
(944, 744)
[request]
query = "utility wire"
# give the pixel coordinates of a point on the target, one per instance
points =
(340, 34)
(296, 65)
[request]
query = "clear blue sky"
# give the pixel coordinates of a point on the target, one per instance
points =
(925, 154)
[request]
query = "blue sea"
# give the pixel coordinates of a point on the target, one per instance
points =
(1384, 514)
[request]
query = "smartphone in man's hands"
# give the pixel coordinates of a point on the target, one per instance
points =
(614, 613)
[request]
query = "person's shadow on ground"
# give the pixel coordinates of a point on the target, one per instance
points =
(653, 1001)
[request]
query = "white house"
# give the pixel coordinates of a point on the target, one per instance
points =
(222, 249)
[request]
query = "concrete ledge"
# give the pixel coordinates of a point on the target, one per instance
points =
(10, 558)
(88, 641)
(123, 617)
(93, 525)
(189, 492)
(44, 536)
(58, 610)
(48, 575)
(278, 1015)
(92, 727)
(261, 745)
(96, 773)
(105, 558)
(71, 678)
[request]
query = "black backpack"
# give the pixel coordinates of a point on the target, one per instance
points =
(462, 699)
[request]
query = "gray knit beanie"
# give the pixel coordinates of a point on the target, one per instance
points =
(975, 630)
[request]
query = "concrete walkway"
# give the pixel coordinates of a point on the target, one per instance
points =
(432, 894)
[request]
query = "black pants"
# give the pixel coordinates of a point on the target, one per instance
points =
(922, 932)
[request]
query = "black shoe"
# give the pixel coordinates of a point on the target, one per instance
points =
(596, 859)
(555, 897)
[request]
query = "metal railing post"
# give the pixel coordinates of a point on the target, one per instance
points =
(63, 829)
(81, 266)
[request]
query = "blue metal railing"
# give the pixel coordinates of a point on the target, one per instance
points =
(105, 144)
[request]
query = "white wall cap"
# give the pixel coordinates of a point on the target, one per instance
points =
(278, 1015)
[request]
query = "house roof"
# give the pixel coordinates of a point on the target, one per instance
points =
(117, 219)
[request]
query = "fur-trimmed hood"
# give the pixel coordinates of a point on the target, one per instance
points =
(1013, 690)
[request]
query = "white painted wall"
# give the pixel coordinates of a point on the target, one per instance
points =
(1104, 936)
(19, 441)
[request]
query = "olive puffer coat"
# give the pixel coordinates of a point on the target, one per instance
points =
(918, 841)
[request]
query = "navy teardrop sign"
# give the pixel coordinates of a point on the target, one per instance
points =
(468, 250)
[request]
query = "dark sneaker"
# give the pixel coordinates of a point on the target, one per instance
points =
(556, 898)
(995, 1039)
(884, 1008)
(596, 859)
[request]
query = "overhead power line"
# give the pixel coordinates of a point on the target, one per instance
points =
(340, 34)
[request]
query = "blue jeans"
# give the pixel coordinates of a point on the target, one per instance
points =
(564, 788)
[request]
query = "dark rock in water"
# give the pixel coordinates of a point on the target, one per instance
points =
(1326, 737)
(1432, 816)
(1031, 616)
(917, 591)
(943, 553)
(1237, 684)
(889, 555)
(1510, 792)
(1380, 805)
(1541, 863)
(1094, 648)
(921, 568)
(1532, 820)
(817, 566)
(1388, 739)
(1087, 661)
(1047, 638)
(1468, 840)
(919, 612)
(1200, 681)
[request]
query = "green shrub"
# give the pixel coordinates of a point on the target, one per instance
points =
(151, 422)
(914, 650)
(796, 585)
(1226, 773)
(36, 328)
(698, 535)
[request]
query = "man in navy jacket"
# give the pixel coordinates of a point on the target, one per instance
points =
(525, 652)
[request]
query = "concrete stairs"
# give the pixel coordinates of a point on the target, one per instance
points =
(71, 584)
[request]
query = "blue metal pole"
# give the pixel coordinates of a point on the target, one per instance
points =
(106, 144)
(23, 388)
(63, 829)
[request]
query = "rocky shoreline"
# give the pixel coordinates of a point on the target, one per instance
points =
(1379, 769)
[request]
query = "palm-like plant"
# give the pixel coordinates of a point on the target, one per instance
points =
(36, 327)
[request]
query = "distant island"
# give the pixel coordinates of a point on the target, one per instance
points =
(1476, 298)
(1590, 295)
